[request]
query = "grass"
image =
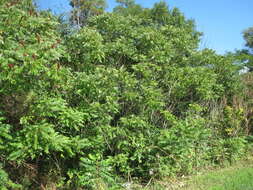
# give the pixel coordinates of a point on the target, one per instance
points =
(237, 177)
(233, 179)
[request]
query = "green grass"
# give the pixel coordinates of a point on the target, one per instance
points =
(238, 177)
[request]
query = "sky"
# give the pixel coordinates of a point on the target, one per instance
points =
(221, 21)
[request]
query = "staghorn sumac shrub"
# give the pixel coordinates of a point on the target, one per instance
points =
(129, 96)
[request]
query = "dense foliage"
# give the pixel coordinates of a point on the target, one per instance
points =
(129, 96)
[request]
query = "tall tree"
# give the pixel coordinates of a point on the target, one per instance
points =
(83, 9)
(248, 36)
(126, 3)
(128, 7)
(160, 12)
(245, 56)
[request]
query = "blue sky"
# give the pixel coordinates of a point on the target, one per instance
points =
(222, 21)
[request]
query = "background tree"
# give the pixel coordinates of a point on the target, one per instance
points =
(83, 9)
(126, 3)
(244, 57)
(248, 36)
(128, 7)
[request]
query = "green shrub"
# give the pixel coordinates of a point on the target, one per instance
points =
(127, 97)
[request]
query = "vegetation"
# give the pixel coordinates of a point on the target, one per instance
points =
(235, 177)
(126, 96)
